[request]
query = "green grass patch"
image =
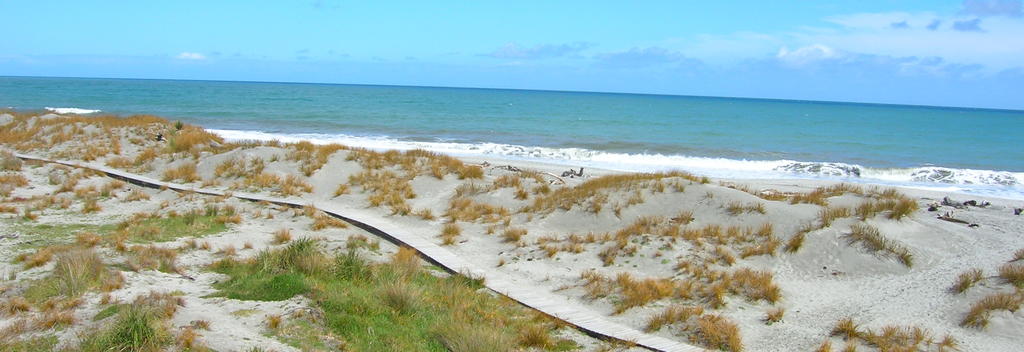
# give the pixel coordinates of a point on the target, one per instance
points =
(163, 229)
(107, 312)
(137, 328)
(372, 307)
(44, 343)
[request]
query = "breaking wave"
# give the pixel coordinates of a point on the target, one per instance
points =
(72, 111)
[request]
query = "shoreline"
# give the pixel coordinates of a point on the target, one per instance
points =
(971, 182)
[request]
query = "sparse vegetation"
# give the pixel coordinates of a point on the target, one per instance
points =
(967, 279)
(871, 239)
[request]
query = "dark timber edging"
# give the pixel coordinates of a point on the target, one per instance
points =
(565, 310)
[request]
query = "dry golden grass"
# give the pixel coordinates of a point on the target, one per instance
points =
(535, 335)
(820, 195)
(341, 190)
(282, 236)
(716, 331)
(966, 280)
(14, 305)
(794, 243)
(465, 209)
(185, 172)
(312, 157)
(424, 214)
(829, 214)
(153, 257)
(450, 233)
(899, 208)
(737, 208)
(593, 193)
(1018, 255)
(774, 315)
(870, 238)
(1013, 274)
(274, 321)
(639, 292)
(406, 261)
(322, 221)
(755, 285)
(847, 329)
(671, 315)
(513, 234)
(136, 195)
(890, 338)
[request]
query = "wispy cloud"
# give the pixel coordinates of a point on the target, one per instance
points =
(543, 51)
(190, 56)
(641, 58)
(971, 25)
(1011, 8)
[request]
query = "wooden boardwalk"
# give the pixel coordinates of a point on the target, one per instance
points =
(560, 308)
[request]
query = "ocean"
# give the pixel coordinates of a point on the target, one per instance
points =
(975, 151)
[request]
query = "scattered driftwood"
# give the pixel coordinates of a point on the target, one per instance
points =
(573, 173)
(189, 278)
(961, 205)
(11, 236)
(516, 169)
(949, 217)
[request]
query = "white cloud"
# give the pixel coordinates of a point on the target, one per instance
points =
(191, 56)
(808, 54)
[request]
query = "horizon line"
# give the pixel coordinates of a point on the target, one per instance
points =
(840, 102)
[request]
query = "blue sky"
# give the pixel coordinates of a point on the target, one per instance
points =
(951, 53)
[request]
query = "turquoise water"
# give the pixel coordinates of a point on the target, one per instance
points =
(973, 150)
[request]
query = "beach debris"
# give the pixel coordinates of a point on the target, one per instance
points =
(933, 206)
(159, 137)
(11, 236)
(1017, 211)
(949, 217)
(573, 173)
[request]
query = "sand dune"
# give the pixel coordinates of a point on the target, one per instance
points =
(640, 249)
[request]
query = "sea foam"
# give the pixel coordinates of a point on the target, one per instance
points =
(986, 182)
(78, 111)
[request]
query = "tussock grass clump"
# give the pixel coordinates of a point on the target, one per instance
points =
(138, 327)
(716, 331)
(14, 305)
(774, 315)
(185, 172)
(671, 315)
(513, 234)
(76, 271)
(829, 214)
(820, 195)
(465, 209)
(322, 221)
(282, 236)
(981, 310)
(966, 280)
(899, 208)
(1013, 274)
(450, 233)
(870, 238)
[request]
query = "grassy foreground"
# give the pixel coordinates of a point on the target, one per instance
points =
(391, 306)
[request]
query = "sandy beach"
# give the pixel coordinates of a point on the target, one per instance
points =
(721, 264)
